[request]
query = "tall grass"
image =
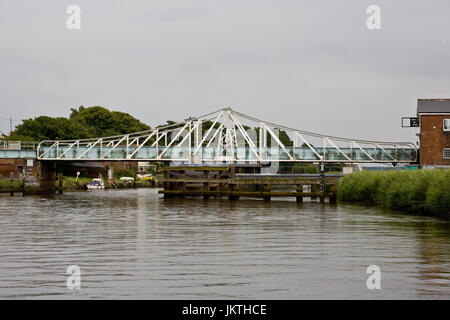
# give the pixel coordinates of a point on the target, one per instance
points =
(422, 191)
(70, 184)
(5, 185)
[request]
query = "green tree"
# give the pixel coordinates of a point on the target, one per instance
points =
(102, 122)
(83, 123)
(48, 128)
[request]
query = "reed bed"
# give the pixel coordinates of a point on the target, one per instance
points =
(421, 191)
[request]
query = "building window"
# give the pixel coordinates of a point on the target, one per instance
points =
(446, 153)
(446, 124)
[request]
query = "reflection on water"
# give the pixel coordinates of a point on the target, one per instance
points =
(132, 244)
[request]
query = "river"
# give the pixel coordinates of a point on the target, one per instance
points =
(133, 244)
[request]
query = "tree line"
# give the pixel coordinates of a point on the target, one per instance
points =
(82, 123)
(92, 122)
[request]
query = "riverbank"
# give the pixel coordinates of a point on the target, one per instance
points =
(422, 191)
(5, 185)
(72, 184)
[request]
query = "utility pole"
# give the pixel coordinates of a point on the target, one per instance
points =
(10, 125)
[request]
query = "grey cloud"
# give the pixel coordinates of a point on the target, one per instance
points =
(306, 64)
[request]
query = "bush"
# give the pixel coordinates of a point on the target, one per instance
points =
(426, 191)
(118, 173)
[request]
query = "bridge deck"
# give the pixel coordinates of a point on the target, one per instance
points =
(17, 154)
(300, 154)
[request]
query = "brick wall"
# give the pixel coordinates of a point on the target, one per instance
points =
(433, 140)
(11, 165)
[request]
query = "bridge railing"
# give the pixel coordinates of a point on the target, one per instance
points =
(18, 145)
(386, 154)
(229, 136)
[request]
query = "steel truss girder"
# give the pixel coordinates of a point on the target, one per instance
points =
(167, 143)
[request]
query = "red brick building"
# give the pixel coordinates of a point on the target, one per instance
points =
(14, 166)
(434, 120)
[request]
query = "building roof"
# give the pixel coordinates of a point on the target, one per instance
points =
(433, 106)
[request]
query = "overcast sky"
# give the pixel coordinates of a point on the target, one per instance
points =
(312, 65)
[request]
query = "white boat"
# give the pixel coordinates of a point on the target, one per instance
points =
(96, 184)
(127, 179)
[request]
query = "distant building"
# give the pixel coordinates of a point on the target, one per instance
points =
(143, 167)
(434, 121)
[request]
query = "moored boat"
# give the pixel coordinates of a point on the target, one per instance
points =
(96, 184)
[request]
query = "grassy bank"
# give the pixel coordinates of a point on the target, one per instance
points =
(5, 185)
(70, 184)
(421, 191)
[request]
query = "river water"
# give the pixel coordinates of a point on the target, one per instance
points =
(133, 244)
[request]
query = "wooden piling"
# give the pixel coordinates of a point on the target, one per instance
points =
(11, 192)
(322, 183)
(167, 185)
(234, 188)
(60, 183)
(267, 188)
(314, 189)
(333, 198)
(299, 198)
(205, 185)
(182, 184)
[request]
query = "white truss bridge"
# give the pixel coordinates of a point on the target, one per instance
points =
(227, 136)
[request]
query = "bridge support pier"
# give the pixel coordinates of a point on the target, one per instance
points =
(41, 179)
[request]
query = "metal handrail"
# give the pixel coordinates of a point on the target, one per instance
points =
(18, 145)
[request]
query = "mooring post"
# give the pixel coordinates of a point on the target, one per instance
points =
(60, 183)
(299, 190)
(205, 185)
(233, 188)
(183, 184)
(332, 198)
(313, 188)
(166, 184)
(219, 188)
(322, 182)
(11, 192)
(267, 188)
(333, 194)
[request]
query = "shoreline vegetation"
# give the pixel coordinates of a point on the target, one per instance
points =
(71, 184)
(422, 191)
